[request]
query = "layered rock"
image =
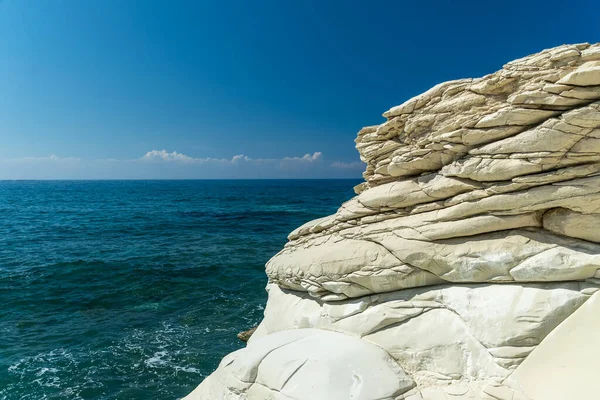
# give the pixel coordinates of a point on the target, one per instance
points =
(460, 265)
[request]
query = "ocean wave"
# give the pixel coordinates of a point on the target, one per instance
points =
(129, 290)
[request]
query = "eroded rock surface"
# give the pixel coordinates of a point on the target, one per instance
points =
(460, 265)
(307, 364)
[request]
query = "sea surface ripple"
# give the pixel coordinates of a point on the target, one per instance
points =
(136, 289)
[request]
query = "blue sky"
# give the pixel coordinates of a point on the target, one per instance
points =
(239, 89)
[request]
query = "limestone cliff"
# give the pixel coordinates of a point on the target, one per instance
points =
(458, 270)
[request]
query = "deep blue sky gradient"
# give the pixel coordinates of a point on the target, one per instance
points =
(106, 81)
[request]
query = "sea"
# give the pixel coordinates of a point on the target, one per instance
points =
(136, 289)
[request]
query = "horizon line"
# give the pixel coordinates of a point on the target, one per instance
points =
(178, 179)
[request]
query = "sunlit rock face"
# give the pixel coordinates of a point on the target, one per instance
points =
(468, 263)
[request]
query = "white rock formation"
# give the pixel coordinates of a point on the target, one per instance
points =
(466, 267)
(308, 364)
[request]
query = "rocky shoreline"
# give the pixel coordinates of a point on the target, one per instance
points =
(467, 266)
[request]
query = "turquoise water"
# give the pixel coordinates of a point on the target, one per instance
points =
(136, 289)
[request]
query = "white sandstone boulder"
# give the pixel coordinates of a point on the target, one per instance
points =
(306, 364)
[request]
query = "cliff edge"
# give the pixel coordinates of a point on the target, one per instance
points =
(468, 264)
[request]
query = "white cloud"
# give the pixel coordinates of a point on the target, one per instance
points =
(165, 156)
(316, 156)
(239, 158)
(176, 157)
(163, 164)
(351, 165)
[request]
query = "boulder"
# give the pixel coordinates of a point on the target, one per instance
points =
(306, 364)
